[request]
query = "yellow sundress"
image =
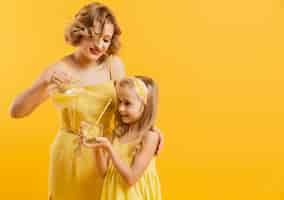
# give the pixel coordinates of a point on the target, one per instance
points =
(72, 169)
(115, 188)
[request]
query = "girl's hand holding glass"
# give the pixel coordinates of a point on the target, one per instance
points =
(100, 142)
(90, 131)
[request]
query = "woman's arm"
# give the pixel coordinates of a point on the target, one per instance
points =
(161, 140)
(26, 102)
(131, 174)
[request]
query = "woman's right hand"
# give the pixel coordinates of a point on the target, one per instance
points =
(55, 77)
(50, 80)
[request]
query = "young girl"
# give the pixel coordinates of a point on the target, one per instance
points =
(128, 163)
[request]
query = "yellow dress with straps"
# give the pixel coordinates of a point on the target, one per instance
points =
(72, 170)
(115, 188)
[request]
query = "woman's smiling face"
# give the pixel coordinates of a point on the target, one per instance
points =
(96, 46)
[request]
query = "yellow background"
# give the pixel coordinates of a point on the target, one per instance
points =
(219, 65)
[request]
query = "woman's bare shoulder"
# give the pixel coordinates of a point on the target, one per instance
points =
(117, 67)
(59, 64)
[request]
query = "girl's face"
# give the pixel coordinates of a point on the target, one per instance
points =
(93, 48)
(130, 106)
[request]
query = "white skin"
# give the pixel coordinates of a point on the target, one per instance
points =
(130, 109)
(130, 105)
(54, 77)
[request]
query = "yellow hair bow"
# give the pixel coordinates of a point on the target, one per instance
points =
(141, 89)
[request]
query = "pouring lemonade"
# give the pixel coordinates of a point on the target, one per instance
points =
(73, 100)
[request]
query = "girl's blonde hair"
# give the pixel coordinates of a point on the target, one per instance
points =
(90, 20)
(148, 117)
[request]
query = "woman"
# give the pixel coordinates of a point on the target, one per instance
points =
(95, 33)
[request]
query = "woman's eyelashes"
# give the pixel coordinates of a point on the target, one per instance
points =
(98, 36)
(106, 41)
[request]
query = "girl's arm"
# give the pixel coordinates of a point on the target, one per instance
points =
(131, 174)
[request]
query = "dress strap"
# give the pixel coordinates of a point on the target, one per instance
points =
(109, 67)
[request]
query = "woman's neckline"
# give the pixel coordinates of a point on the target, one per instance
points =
(72, 66)
(100, 66)
(97, 84)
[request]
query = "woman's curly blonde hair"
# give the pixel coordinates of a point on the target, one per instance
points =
(90, 20)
